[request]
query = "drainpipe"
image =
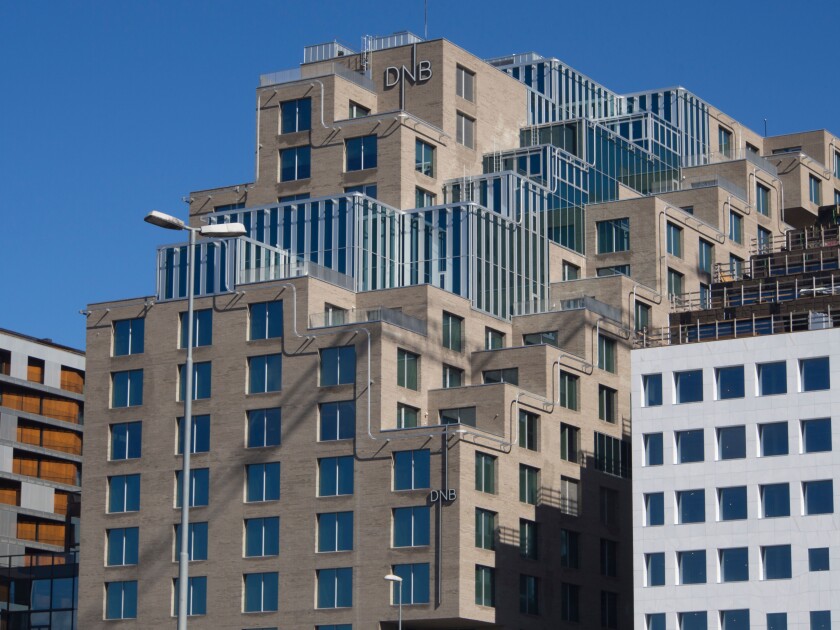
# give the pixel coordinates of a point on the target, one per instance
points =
(319, 82)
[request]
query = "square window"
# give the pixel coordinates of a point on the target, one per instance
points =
(196, 596)
(122, 546)
(335, 532)
(732, 442)
(261, 592)
(361, 153)
(688, 386)
(126, 388)
(732, 503)
(730, 382)
(196, 541)
(569, 390)
(734, 564)
(777, 621)
(202, 328)
(655, 621)
(652, 390)
(776, 562)
(655, 569)
(820, 619)
(692, 566)
(262, 482)
(123, 493)
(423, 198)
(697, 620)
(814, 374)
(414, 588)
(452, 376)
(691, 506)
(613, 235)
(485, 473)
(202, 383)
(493, 339)
(818, 496)
(407, 369)
(407, 416)
(262, 537)
(772, 378)
(295, 163)
(265, 373)
(735, 619)
(773, 439)
(816, 435)
(121, 600)
(775, 500)
(485, 529)
(128, 336)
(689, 446)
(338, 366)
(266, 320)
(126, 440)
(199, 487)
(295, 115)
(335, 476)
(411, 526)
(654, 509)
(338, 421)
(818, 559)
(411, 470)
(199, 434)
(264, 427)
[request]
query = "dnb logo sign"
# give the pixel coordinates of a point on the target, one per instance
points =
(419, 72)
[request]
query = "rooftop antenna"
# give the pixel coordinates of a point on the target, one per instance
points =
(425, 19)
(765, 127)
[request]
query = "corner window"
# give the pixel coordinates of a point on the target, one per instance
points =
(126, 438)
(816, 435)
(732, 503)
(266, 320)
(613, 236)
(128, 336)
(814, 374)
(692, 566)
(411, 470)
(730, 382)
(691, 506)
(453, 332)
(201, 385)
(296, 115)
(732, 442)
(465, 130)
(735, 564)
(465, 83)
(338, 366)
(655, 569)
(775, 560)
(338, 421)
(407, 364)
(818, 497)
(772, 378)
(674, 238)
(126, 388)
(265, 373)
(652, 390)
(689, 446)
(688, 386)
(775, 500)
(424, 158)
(295, 164)
(202, 328)
(335, 476)
(773, 439)
(361, 153)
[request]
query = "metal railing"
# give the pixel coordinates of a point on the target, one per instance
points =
(363, 315)
(780, 264)
(796, 240)
(324, 69)
(534, 307)
(716, 157)
(720, 182)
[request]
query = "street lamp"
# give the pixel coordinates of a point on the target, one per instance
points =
(396, 578)
(219, 230)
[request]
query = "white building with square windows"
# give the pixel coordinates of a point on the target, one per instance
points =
(735, 481)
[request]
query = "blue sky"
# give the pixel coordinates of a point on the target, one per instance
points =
(112, 108)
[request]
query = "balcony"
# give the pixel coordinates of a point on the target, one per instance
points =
(366, 315)
(324, 69)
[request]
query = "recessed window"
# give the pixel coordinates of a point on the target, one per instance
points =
(655, 569)
(453, 332)
(653, 449)
(609, 610)
(485, 586)
(423, 198)
(674, 238)
(548, 337)
(424, 158)
(641, 316)
(818, 497)
(732, 442)
(485, 529)
(529, 484)
(485, 473)
(569, 390)
(465, 83)
(369, 190)
(529, 589)
(762, 199)
(820, 619)
(127, 388)
(814, 374)
(772, 378)
(199, 434)
(706, 259)
(773, 439)
(652, 390)
(735, 564)
(452, 376)
(411, 469)
(775, 500)
(263, 482)
(569, 496)
(607, 404)
(411, 526)
(675, 283)
(735, 619)
(465, 130)
(655, 621)
(408, 417)
(691, 506)
(570, 271)
(730, 382)
(262, 537)
(264, 427)
(126, 438)
(725, 142)
(357, 111)
(818, 559)
(654, 509)
(199, 490)
(688, 386)
(814, 192)
(736, 227)
(407, 364)
(816, 435)
(415, 583)
(265, 373)
(458, 415)
(692, 566)
(338, 420)
(775, 560)
(122, 546)
(569, 549)
(202, 386)
(493, 339)
(696, 620)
(295, 115)
(196, 541)
(569, 442)
(335, 532)
(606, 353)
(732, 503)
(764, 241)
(261, 592)
(504, 375)
(128, 336)
(528, 430)
(777, 621)
(689, 446)
(338, 366)
(335, 476)
(528, 539)
(361, 153)
(121, 600)
(613, 236)
(266, 320)
(295, 164)
(123, 493)
(202, 328)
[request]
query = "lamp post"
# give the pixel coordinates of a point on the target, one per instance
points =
(219, 230)
(396, 578)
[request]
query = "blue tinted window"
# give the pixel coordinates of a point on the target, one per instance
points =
(361, 153)
(196, 543)
(338, 421)
(818, 559)
(772, 378)
(656, 621)
(732, 442)
(411, 469)
(128, 336)
(261, 592)
(693, 620)
(692, 566)
(202, 328)
(692, 506)
(773, 439)
(653, 449)
(266, 320)
(688, 386)
(335, 531)
(295, 115)
(652, 388)
(816, 435)
(263, 427)
(126, 440)
(294, 164)
(415, 584)
(689, 446)
(775, 500)
(733, 503)
(335, 476)
(735, 619)
(411, 526)
(338, 366)
(127, 388)
(776, 561)
(265, 373)
(124, 493)
(262, 537)
(814, 374)
(263, 482)
(654, 509)
(777, 621)
(121, 600)
(655, 565)
(730, 382)
(199, 487)
(122, 546)
(335, 588)
(200, 434)
(819, 496)
(196, 596)
(820, 620)
(735, 565)
(201, 385)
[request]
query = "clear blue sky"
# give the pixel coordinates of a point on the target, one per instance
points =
(112, 108)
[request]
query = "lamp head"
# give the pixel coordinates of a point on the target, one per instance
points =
(160, 219)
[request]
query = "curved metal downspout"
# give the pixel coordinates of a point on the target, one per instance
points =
(319, 82)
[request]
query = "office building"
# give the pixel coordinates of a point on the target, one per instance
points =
(416, 362)
(735, 435)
